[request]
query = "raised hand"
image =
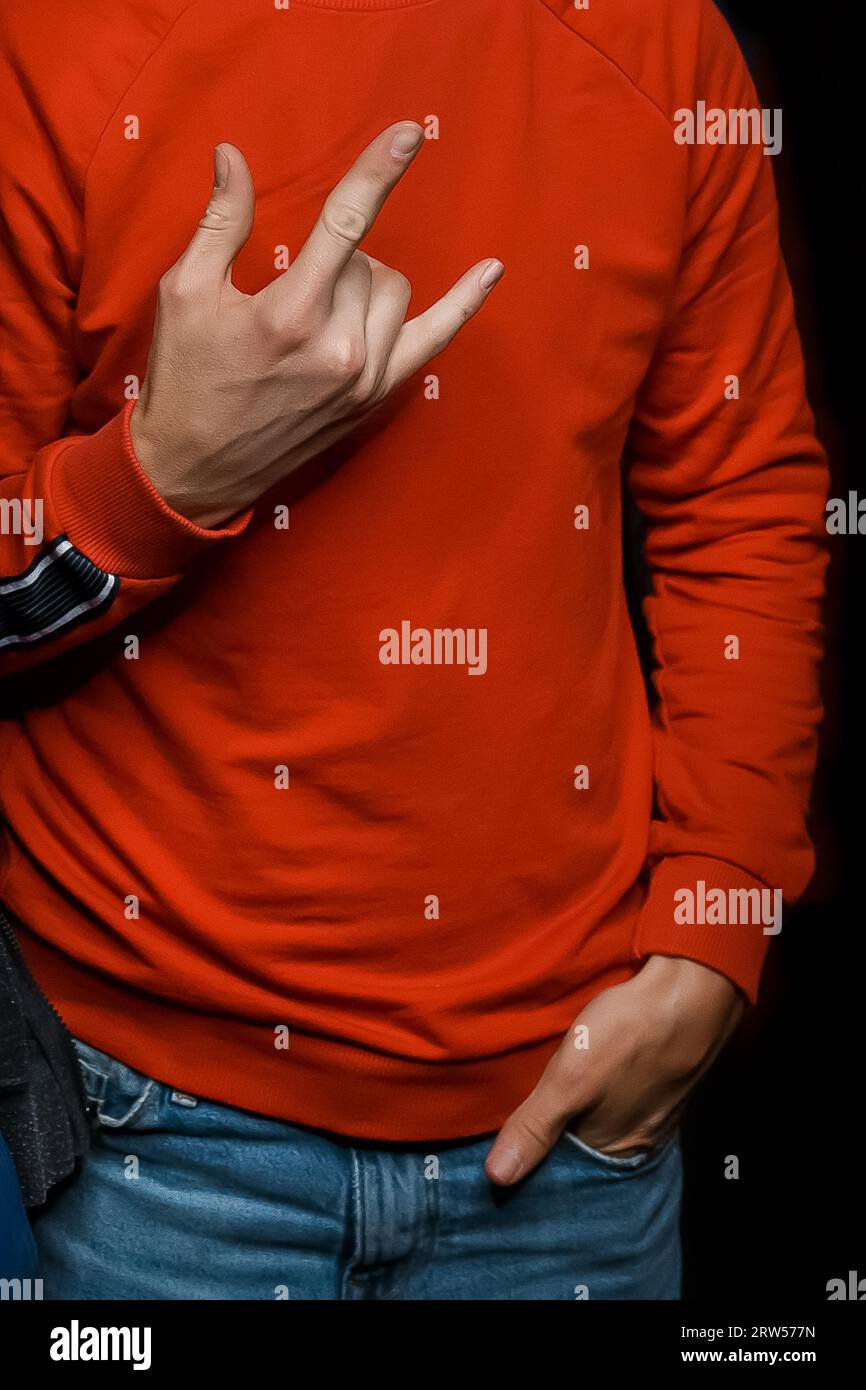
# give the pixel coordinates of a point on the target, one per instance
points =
(242, 389)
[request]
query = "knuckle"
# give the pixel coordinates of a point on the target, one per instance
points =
(216, 214)
(533, 1128)
(364, 391)
(344, 221)
(270, 325)
(291, 333)
(286, 330)
(174, 287)
(343, 358)
(401, 285)
(288, 325)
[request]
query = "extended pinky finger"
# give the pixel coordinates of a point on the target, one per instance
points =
(423, 337)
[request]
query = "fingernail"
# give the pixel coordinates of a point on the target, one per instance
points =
(220, 168)
(506, 1165)
(406, 142)
(491, 273)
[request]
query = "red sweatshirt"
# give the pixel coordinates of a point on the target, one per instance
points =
(343, 812)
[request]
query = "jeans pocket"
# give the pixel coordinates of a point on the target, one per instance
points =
(118, 1097)
(622, 1163)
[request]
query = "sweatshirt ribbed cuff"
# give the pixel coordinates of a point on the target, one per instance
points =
(736, 949)
(110, 510)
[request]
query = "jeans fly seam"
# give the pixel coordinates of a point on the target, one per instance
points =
(355, 1259)
(424, 1250)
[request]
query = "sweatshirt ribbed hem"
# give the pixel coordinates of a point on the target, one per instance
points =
(316, 1081)
(111, 511)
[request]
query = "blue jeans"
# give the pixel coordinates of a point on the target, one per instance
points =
(183, 1198)
(17, 1250)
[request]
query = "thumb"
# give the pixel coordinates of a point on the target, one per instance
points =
(531, 1131)
(227, 220)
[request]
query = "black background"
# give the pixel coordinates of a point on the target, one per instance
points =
(788, 1096)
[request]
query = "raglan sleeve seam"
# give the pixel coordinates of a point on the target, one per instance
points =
(85, 174)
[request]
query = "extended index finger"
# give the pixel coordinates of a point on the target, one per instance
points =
(351, 208)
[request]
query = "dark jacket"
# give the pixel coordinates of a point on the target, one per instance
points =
(43, 1116)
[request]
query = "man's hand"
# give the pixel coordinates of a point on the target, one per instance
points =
(647, 1043)
(242, 389)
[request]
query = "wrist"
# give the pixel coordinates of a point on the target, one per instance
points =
(680, 980)
(693, 1004)
(168, 473)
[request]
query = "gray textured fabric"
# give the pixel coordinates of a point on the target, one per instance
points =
(43, 1114)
